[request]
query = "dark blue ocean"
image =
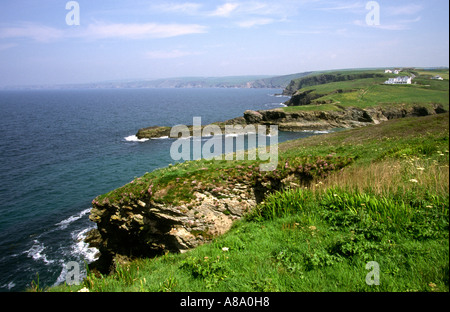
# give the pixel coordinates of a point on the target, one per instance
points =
(59, 149)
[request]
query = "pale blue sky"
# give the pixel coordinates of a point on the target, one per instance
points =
(139, 39)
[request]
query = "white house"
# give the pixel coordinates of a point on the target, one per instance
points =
(388, 71)
(437, 77)
(397, 71)
(399, 80)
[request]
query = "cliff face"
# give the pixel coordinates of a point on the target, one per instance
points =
(344, 118)
(145, 228)
(144, 225)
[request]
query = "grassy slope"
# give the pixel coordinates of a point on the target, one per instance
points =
(371, 92)
(389, 205)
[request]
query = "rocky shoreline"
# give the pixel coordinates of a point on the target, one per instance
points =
(310, 120)
(143, 227)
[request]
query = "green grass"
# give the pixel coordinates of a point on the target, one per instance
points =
(385, 200)
(323, 245)
(372, 92)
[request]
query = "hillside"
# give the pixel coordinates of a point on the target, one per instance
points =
(336, 202)
(255, 81)
(366, 88)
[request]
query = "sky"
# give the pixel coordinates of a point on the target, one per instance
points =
(48, 42)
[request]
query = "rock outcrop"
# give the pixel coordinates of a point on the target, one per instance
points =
(145, 228)
(343, 117)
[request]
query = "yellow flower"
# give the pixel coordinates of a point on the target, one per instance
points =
(420, 168)
(413, 180)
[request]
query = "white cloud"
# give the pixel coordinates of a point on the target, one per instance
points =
(142, 31)
(398, 25)
(99, 30)
(255, 22)
(408, 9)
(32, 31)
(225, 10)
(344, 6)
(159, 54)
(187, 7)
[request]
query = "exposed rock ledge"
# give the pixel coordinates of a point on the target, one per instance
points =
(313, 120)
(146, 228)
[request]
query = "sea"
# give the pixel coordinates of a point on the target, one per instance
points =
(59, 149)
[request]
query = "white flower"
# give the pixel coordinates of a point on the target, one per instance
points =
(413, 180)
(420, 168)
(84, 289)
(225, 248)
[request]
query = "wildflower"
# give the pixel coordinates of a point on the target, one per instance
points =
(420, 168)
(225, 248)
(84, 289)
(413, 181)
(428, 206)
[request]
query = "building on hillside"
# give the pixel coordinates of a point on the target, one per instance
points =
(388, 71)
(399, 80)
(437, 77)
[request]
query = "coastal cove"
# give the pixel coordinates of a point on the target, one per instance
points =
(61, 148)
(65, 147)
(181, 207)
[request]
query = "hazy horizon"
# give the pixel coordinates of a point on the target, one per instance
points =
(53, 42)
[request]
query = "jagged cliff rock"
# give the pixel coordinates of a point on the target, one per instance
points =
(145, 228)
(344, 117)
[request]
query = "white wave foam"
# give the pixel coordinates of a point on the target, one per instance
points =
(81, 248)
(318, 131)
(79, 252)
(160, 138)
(65, 223)
(9, 286)
(133, 138)
(36, 252)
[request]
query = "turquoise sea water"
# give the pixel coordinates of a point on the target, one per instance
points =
(59, 149)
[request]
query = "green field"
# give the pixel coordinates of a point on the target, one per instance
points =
(377, 193)
(372, 92)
